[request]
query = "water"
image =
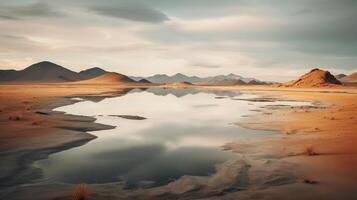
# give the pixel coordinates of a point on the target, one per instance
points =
(182, 135)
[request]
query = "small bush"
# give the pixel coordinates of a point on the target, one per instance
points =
(14, 118)
(309, 181)
(80, 192)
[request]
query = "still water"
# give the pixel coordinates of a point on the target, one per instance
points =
(181, 135)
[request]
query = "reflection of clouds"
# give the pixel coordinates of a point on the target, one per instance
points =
(100, 166)
(199, 161)
(180, 136)
(204, 105)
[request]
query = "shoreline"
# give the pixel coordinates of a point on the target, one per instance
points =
(32, 130)
(292, 140)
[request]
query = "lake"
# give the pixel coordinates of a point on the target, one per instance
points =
(160, 135)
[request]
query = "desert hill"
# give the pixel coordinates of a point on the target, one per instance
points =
(314, 78)
(47, 72)
(108, 78)
(352, 78)
(8, 75)
(91, 73)
(42, 72)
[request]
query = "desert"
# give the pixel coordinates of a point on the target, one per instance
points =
(314, 150)
(186, 100)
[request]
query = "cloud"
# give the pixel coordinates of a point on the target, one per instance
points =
(205, 65)
(130, 12)
(140, 37)
(220, 24)
(39, 9)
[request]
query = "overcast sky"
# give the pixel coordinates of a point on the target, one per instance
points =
(266, 39)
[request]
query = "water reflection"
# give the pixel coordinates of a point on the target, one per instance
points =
(181, 136)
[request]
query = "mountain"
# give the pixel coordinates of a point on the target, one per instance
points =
(163, 78)
(8, 75)
(47, 72)
(92, 72)
(143, 81)
(314, 78)
(352, 78)
(340, 76)
(108, 78)
(220, 79)
(256, 82)
(42, 72)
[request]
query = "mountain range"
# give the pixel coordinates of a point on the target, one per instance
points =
(219, 79)
(48, 72)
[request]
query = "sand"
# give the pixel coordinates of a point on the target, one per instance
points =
(275, 168)
(30, 130)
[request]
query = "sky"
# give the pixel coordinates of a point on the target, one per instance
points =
(273, 40)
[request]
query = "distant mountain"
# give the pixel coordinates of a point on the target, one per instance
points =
(42, 72)
(339, 76)
(47, 72)
(8, 75)
(220, 79)
(352, 78)
(92, 72)
(314, 78)
(143, 81)
(256, 82)
(108, 78)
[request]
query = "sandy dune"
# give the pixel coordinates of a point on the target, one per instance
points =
(314, 78)
(108, 78)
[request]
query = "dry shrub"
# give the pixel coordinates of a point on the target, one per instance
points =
(310, 181)
(309, 150)
(15, 118)
(80, 192)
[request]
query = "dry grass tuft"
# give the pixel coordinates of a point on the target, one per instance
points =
(80, 192)
(309, 150)
(15, 118)
(310, 181)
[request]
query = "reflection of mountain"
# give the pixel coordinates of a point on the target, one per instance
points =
(185, 91)
(101, 97)
(220, 79)
(176, 92)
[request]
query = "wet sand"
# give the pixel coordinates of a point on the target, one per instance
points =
(275, 168)
(30, 130)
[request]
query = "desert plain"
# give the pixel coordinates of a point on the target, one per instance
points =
(313, 157)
